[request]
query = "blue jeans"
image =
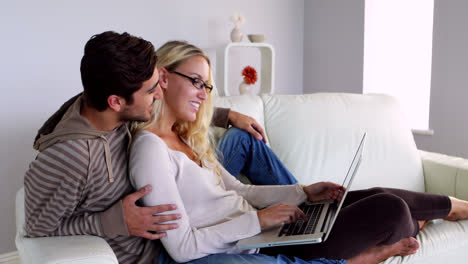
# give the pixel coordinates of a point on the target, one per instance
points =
(243, 153)
(164, 258)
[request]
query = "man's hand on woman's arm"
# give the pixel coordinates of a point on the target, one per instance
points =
(248, 124)
(141, 220)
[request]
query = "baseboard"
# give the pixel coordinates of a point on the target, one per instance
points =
(9, 257)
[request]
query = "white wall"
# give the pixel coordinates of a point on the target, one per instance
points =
(333, 52)
(333, 45)
(42, 44)
(449, 87)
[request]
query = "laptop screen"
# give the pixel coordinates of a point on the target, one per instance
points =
(346, 183)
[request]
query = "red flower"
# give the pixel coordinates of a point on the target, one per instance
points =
(250, 75)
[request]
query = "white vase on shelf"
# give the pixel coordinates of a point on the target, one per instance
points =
(245, 88)
(236, 34)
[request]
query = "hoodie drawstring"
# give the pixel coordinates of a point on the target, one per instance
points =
(108, 158)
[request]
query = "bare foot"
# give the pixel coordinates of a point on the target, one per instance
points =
(459, 210)
(422, 224)
(406, 246)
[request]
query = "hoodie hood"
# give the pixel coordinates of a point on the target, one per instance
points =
(68, 124)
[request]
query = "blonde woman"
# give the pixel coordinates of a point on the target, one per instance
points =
(173, 153)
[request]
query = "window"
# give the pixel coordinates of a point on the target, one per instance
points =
(398, 54)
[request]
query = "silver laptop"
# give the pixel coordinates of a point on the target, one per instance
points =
(321, 215)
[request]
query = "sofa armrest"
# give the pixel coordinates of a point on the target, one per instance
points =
(70, 249)
(63, 250)
(444, 174)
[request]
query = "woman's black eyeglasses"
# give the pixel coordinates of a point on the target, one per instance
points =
(197, 82)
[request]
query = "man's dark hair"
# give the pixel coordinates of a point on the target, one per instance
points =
(115, 64)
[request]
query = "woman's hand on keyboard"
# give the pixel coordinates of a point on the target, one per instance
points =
(279, 214)
(323, 191)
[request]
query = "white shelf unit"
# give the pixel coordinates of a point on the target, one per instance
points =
(267, 71)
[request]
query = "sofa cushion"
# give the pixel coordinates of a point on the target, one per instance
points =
(316, 136)
(440, 242)
(250, 105)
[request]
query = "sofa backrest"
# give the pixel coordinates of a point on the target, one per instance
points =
(316, 135)
(250, 105)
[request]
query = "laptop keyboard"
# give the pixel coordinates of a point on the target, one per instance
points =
(312, 211)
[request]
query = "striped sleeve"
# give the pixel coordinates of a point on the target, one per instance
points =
(220, 117)
(54, 185)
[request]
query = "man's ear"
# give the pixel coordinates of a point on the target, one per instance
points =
(163, 78)
(116, 102)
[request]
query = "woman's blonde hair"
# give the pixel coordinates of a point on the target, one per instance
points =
(196, 134)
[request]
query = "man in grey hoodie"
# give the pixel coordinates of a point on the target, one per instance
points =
(78, 183)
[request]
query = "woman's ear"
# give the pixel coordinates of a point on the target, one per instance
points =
(163, 78)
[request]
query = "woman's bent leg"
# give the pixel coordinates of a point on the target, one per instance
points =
(380, 219)
(423, 206)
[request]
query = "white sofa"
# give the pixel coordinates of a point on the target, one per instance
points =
(315, 136)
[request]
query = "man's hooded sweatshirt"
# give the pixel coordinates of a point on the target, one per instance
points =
(76, 184)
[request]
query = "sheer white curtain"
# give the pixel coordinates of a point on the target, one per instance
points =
(398, 54)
